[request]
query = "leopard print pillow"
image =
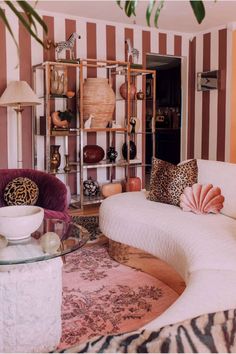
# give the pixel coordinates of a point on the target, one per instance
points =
(21, 191)
(168, 181)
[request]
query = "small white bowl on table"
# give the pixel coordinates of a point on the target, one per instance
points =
(20, 221)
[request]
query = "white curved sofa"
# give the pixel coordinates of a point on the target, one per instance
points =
(202, 248)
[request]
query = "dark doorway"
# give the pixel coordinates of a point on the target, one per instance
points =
(168, 108)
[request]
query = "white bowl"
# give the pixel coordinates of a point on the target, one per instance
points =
(18, 222)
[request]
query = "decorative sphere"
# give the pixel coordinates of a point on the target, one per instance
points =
(50, 242)
(3, 241)
(124, 91)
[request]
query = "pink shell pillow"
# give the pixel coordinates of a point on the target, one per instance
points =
(202, 199)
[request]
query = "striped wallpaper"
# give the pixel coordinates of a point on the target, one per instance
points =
(206, 117)
(209, 118)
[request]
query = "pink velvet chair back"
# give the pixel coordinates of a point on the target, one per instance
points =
(52, 191)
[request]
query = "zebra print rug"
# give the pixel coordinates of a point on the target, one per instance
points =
(209, 333)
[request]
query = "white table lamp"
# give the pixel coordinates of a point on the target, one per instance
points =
(17, 95)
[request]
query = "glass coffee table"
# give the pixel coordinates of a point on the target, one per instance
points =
(31, 288)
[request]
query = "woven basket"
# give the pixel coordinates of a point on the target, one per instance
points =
(98, 101)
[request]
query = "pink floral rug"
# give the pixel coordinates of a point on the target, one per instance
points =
(101, 296)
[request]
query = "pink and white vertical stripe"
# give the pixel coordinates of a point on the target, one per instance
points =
(206, 118)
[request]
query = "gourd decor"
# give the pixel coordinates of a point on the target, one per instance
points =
(112, 188)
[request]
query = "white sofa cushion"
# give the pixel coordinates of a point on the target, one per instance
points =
(223, 175)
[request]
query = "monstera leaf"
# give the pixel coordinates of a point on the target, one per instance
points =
(27, 15)
(155, 7)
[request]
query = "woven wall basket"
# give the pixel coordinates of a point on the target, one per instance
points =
(98, 101)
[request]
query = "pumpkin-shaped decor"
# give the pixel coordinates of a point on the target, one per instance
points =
(124, 91)
(93, 153)
(202, 199)
(132, 150)
(109, 189)
(91, 187)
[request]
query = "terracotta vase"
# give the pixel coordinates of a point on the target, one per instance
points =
(133, 184)
(124, 91)
(98, 102)
(93, 153)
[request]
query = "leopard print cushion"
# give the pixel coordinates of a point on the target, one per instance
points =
(168, 181)
(21, 191)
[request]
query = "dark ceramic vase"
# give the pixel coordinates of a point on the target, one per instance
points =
(132, 150)
(93, 153)
(112, 154)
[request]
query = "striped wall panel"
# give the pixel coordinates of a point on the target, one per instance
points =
(3, 110)
(205, 127)
(207, 119)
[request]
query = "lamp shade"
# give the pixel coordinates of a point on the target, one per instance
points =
(19, 93)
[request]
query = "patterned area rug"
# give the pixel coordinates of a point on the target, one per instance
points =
(101, 296)
(91, 223)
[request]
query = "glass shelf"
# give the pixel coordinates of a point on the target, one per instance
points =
(97, 130)
(54, 96)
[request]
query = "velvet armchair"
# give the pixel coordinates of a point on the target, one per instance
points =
(52, 191)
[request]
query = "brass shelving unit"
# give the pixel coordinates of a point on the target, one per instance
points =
(78, 167)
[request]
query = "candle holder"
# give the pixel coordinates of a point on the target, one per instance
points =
(67, 166)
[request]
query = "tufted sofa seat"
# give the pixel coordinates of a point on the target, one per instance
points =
(52, 192)
(201, 248)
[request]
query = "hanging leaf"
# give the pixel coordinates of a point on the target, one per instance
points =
(149, 11)
(158, 11)
(119, 4)
(198, 9)
(31, 13)
(3, 17)
(130, 7)
(24, 22)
